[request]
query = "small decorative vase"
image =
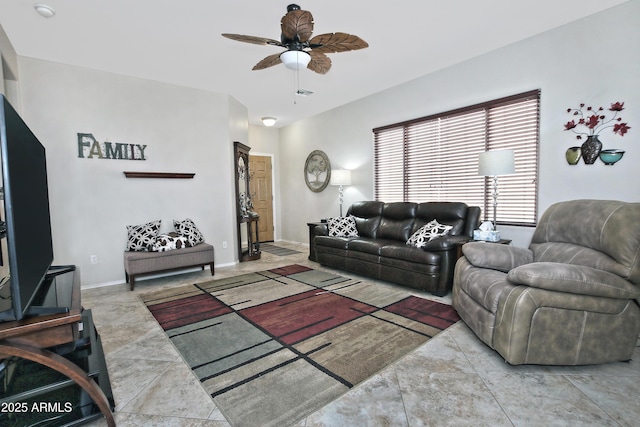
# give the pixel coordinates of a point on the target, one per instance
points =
(573, 155)
(609, 157)
(591, 149)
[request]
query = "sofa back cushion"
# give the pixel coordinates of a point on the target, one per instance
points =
(367, 215)
(397, 221)
(602, 234)
(446, 213)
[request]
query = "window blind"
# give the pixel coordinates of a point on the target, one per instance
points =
(435, 158)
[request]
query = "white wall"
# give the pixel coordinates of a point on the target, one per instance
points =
(8, 71)
(185, 130)
(594, 60)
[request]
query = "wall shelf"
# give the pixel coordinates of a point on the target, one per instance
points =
(158, 175)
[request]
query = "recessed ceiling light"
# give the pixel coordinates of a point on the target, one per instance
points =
(44, 10)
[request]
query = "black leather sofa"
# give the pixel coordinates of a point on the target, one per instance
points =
(380, 250)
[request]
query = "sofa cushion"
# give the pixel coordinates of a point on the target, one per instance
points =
(427, 233)
(449, 213)
(409, 253)
(332, 242)
(147, 262)
(574, 279)
(342, 227)
(141, 237)
(367, 216)
(605, 226)
(397, 221)
(370, 246)
(578, 255)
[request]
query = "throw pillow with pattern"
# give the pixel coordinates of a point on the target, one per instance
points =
(427, 233)
(344, 226)
(188, 229)
(140, 237)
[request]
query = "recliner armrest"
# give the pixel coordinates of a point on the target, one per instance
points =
(574, 279)
(496, 256)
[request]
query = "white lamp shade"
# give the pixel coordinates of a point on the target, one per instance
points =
(295, 59)
(496, 162)
(340, 177)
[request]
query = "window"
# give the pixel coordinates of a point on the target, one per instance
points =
(435, 158)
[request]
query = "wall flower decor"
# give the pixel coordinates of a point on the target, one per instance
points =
(589, 122)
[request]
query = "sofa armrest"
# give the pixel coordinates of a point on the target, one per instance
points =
(321, 230)
(496, 256)
(574, 279)
(444, 243)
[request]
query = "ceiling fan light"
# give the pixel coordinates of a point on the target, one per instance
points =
(295, 59)
(268, 121)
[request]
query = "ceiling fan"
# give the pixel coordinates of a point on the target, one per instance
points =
(302, 50)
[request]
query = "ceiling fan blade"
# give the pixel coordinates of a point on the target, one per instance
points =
(297, 23)
(252, 39)
(320, 63)
(267, 62)
(337, 42)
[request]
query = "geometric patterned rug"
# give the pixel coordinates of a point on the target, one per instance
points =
(274, 346)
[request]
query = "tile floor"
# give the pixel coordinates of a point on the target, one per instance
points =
(453, 380)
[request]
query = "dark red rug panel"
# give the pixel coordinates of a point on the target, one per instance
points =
(173, 314)
(425, 311)
(290, 269)
(301, 316)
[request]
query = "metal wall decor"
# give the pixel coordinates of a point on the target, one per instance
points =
(92, 148)
(317, 171)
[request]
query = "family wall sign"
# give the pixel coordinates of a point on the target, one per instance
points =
(89, 147)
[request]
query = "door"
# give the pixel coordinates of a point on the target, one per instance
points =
(262, 194)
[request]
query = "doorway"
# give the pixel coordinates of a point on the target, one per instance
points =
(260, 187)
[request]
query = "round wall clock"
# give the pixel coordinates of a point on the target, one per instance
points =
(317, 171)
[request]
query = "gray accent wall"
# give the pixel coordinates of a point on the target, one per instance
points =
(593, 60)
(92, 202)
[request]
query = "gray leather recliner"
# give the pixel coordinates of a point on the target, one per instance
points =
(570, 299)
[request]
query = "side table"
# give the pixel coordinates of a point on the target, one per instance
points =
(459, 246)
(312, 251)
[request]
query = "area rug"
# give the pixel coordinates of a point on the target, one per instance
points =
(277, 250)
(274, 346)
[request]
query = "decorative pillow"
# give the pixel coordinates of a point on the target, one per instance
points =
(140, 237)
(188, 229)
(427, 233)
(169, 242)
(344, 226)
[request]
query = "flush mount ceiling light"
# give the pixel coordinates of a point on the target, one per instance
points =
(295, 59)
(44, 10)
(269, 121)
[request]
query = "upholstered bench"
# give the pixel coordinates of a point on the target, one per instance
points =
(137, 263)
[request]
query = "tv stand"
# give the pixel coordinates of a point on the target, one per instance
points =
(39, 339)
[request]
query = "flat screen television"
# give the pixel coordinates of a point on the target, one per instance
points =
(26, 247)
